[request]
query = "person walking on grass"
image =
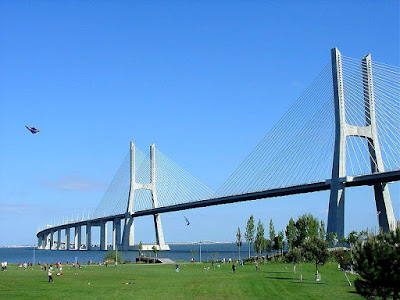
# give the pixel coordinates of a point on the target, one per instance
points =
(233, 268)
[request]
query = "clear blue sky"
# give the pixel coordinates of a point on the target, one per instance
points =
(204, 80)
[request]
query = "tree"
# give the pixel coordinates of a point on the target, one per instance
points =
(343, 257)
(332, 239)
(290, 233)
(271, 232)
(259, 243)
(238, 240)
(294, 256)
(316, 249)
(313, 226)
(342, 241)
(307, 226)
(301, 226)
(155, 251)
(352, 238)
(267, 245)
(322, 231)
(363, 235)
(262, 245)
(278, 242)
(249, 234)
(377, 261)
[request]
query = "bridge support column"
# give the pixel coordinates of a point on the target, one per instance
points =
(159, 233)
(383, 202)
(157, 217)
(88, 236)
(44, 241)
(78, 237)
(58, 239)
(103, 235)
(337, 199)
(51, 241)
(47, 243)
(67, 238)
(128, 239)
(39, 242)
(128, 235)
(369, 132)
(116, 240)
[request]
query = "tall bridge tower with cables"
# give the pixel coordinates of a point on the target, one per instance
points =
(128, 234)
(343, 130)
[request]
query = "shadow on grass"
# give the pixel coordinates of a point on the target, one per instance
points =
(284, 278)
(310, 282)
(277, 272)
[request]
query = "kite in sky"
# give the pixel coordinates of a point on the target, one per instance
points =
(33, 130)
(187, 221)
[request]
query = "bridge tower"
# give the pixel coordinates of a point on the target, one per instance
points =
(383, 202)
(128, 234)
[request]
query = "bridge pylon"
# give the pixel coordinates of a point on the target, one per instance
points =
(369, 132)
(128, 234)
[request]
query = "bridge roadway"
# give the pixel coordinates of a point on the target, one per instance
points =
(348, 181)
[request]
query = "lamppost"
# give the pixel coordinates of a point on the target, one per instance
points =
(33, 260)
(116, 255)
(200, 250)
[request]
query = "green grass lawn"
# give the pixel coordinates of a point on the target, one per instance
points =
(273, 281)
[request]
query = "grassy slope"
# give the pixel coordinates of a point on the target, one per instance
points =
(273, 281)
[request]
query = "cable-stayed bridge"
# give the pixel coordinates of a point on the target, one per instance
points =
(343, 131)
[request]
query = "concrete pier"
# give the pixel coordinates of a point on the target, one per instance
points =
(103, 235)
(67, 238)
(129, 234)
(116, 240)
(78, 237)
(88, 236)
(51, 240)
(59, 239)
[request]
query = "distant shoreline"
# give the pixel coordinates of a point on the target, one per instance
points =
(170, 243)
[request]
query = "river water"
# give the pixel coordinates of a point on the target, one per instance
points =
(184, 252)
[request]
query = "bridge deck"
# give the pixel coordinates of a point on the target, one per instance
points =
(360, 180)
